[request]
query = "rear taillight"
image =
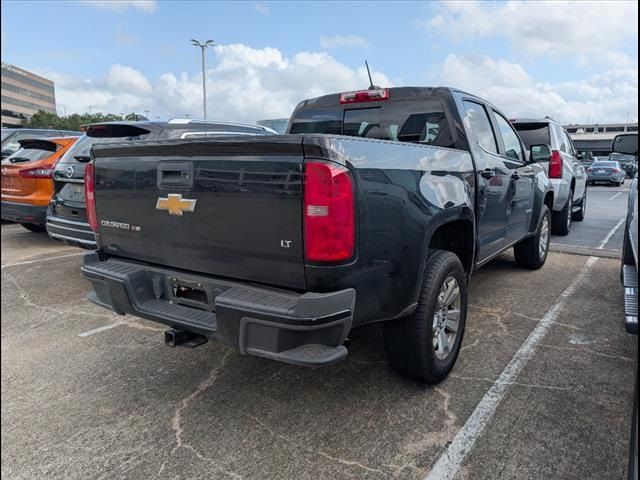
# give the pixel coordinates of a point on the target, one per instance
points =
(90, 197)
(365, 96)
(555, 165)
(616, 170)
(589, 169)
(37, 172)
(329, 223)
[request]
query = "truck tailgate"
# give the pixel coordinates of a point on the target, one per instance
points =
(228, 207)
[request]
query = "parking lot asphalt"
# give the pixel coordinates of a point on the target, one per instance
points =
(603, 226)
(542, 387)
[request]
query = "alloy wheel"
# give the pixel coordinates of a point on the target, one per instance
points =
(446, 318)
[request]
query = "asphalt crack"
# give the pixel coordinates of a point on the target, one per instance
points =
(176, 421)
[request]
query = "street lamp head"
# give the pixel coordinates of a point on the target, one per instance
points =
(209, 42)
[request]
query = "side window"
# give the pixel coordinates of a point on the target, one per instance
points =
(570, 148)
(512, 145)
(563, 145)
(478, 121)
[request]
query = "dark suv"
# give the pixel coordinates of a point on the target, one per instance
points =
(66, 217)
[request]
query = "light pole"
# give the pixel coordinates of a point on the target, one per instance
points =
(203, 47)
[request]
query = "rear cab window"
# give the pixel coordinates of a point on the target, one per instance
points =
(422, 121)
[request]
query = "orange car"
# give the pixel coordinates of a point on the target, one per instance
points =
(27, 180)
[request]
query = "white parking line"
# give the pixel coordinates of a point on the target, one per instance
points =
(27, 262)
(452, 458)
(101, 329)
(610, 234)
(617, 195)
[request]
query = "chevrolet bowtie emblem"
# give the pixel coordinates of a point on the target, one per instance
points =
(175, 204)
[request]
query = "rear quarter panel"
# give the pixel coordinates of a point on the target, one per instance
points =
(404, 193)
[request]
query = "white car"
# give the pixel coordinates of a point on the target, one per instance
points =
(567, 174)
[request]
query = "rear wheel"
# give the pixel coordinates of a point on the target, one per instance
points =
(532, 252)
(32, 227)
(561, 221)
(579, 215)
(424, 346)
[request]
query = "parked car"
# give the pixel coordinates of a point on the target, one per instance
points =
(27, 182)
(564, 167)
(628, 144)
(605, 171)
(629, 163)
(11, 137)
(378, 205)
(67, 219)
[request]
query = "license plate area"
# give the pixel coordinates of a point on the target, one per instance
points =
(189, 293)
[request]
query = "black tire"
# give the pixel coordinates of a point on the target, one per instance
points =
(409, 341)
(527, 252)
(580, 214)
(561, 221)
(32, 227)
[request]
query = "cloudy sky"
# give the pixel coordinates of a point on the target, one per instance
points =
(576, 61)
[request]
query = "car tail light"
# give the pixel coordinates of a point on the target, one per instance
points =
(616, 170)
(589, 169)
(90, 197)
(365, 96)
(37, 172)
(555, 165)
(329, 223)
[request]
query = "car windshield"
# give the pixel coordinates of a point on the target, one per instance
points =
(5, 134)
(533, 133)
(23, 155)
(622, 158)
(81, 150)
(605, 164)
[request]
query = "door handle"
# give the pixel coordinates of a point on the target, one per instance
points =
(488, 173)
(175, 175)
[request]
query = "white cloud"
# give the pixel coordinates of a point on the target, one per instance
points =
(245, 85)
(146, 6)
(128, 81)
(343, 41)
(262, 8)
(606, 97)
(588, 31)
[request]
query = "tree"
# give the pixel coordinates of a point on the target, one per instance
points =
(42, 119)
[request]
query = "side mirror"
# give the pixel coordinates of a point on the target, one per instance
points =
(539, 153)
(625, 143)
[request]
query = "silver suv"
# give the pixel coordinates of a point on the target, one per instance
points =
(567, 174)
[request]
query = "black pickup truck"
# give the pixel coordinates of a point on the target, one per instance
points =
(376, 205)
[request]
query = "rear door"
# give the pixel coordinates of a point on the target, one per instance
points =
(494, 181)
(520, 195)
(229, 207)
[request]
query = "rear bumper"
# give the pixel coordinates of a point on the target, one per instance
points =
(298, 328)
(561, 191)
(607, 179)
(24, 213)
(71, 232)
